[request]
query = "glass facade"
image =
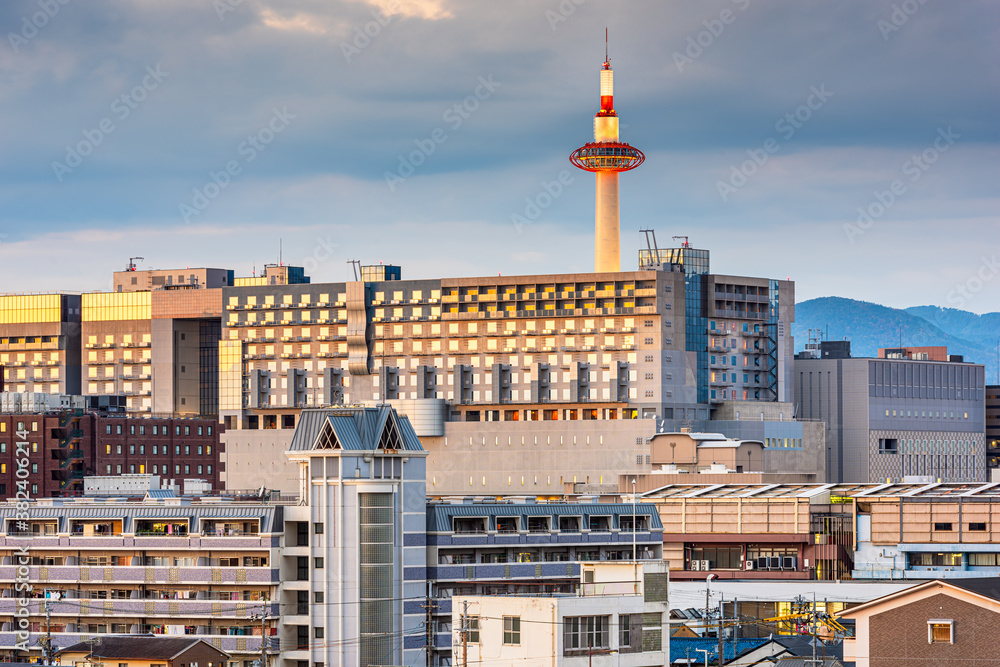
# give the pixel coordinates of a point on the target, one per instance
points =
(230, 375)
(208, 367)
(376, 619)
(117, 306)
(30, 308)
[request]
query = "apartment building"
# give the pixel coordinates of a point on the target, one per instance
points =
(64, 446)
(357, 565)
(892, 418)
(621, 612)
(480, 546)
(163, 565)
(40, 343)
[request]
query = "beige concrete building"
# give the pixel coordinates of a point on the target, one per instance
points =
(620, 617)
(40, 343)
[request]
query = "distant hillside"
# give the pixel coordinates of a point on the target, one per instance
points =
(870, 326)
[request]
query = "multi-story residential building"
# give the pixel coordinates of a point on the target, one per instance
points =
(65, 446)
(993, 431)
(479, 546)
(40, 343)
(613, 358)
(163, 565)
(620, 611)
(895, 418)
(357, 569)
(159, 348)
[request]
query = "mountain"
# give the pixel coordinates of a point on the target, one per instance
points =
(870, 326)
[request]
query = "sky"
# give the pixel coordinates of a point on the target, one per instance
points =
(852, 146)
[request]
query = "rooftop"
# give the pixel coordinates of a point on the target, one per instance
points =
(818, 492)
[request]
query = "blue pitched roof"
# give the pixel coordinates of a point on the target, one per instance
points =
(356, 429)
(687, 647)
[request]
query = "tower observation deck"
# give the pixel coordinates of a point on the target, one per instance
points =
(606, 156)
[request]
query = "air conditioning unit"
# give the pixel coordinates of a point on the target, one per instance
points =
(774, 563)
(706, 565)
(749, 565)
(762, 563)
(788, 562)
(696, 565)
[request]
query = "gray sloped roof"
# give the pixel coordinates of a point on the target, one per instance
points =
(138, 647)
(356, 429)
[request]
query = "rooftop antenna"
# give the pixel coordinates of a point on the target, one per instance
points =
(654, 250)
(685, 244)
(605, 44)
(131, 263)
(355, 264)
(279, 252)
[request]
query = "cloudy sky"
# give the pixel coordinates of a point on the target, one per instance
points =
(434, 134)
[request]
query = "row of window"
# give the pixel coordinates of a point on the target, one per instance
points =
(580, 633)
(157, 469)
(202, 450)
(157, 429)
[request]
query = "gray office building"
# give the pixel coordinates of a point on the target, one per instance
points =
(896, 418)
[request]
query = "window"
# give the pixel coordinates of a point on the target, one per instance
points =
(586, 632)
(318, 528)
(142, 429)
(318, 563)
(318, 632)
(888, 446)
(977, 526)
(318, 597)
(942, 526)
(512, 630)
(472, 629)
(940, 631)
(624, 631)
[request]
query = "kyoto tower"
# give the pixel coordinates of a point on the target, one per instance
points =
(606, 156)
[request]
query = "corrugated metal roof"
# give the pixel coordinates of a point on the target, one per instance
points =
(357, 429)
(130, 511)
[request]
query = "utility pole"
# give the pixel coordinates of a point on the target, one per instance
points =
(263, 635)
(720, 629)
(465, 634)
(48, 627)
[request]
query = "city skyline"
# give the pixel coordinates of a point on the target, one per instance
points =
(416, 133)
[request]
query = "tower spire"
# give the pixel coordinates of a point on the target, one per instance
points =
(607, 157)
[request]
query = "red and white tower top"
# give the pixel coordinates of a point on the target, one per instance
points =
(607, 156)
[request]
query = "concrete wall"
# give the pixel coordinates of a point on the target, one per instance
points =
(255, 458)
